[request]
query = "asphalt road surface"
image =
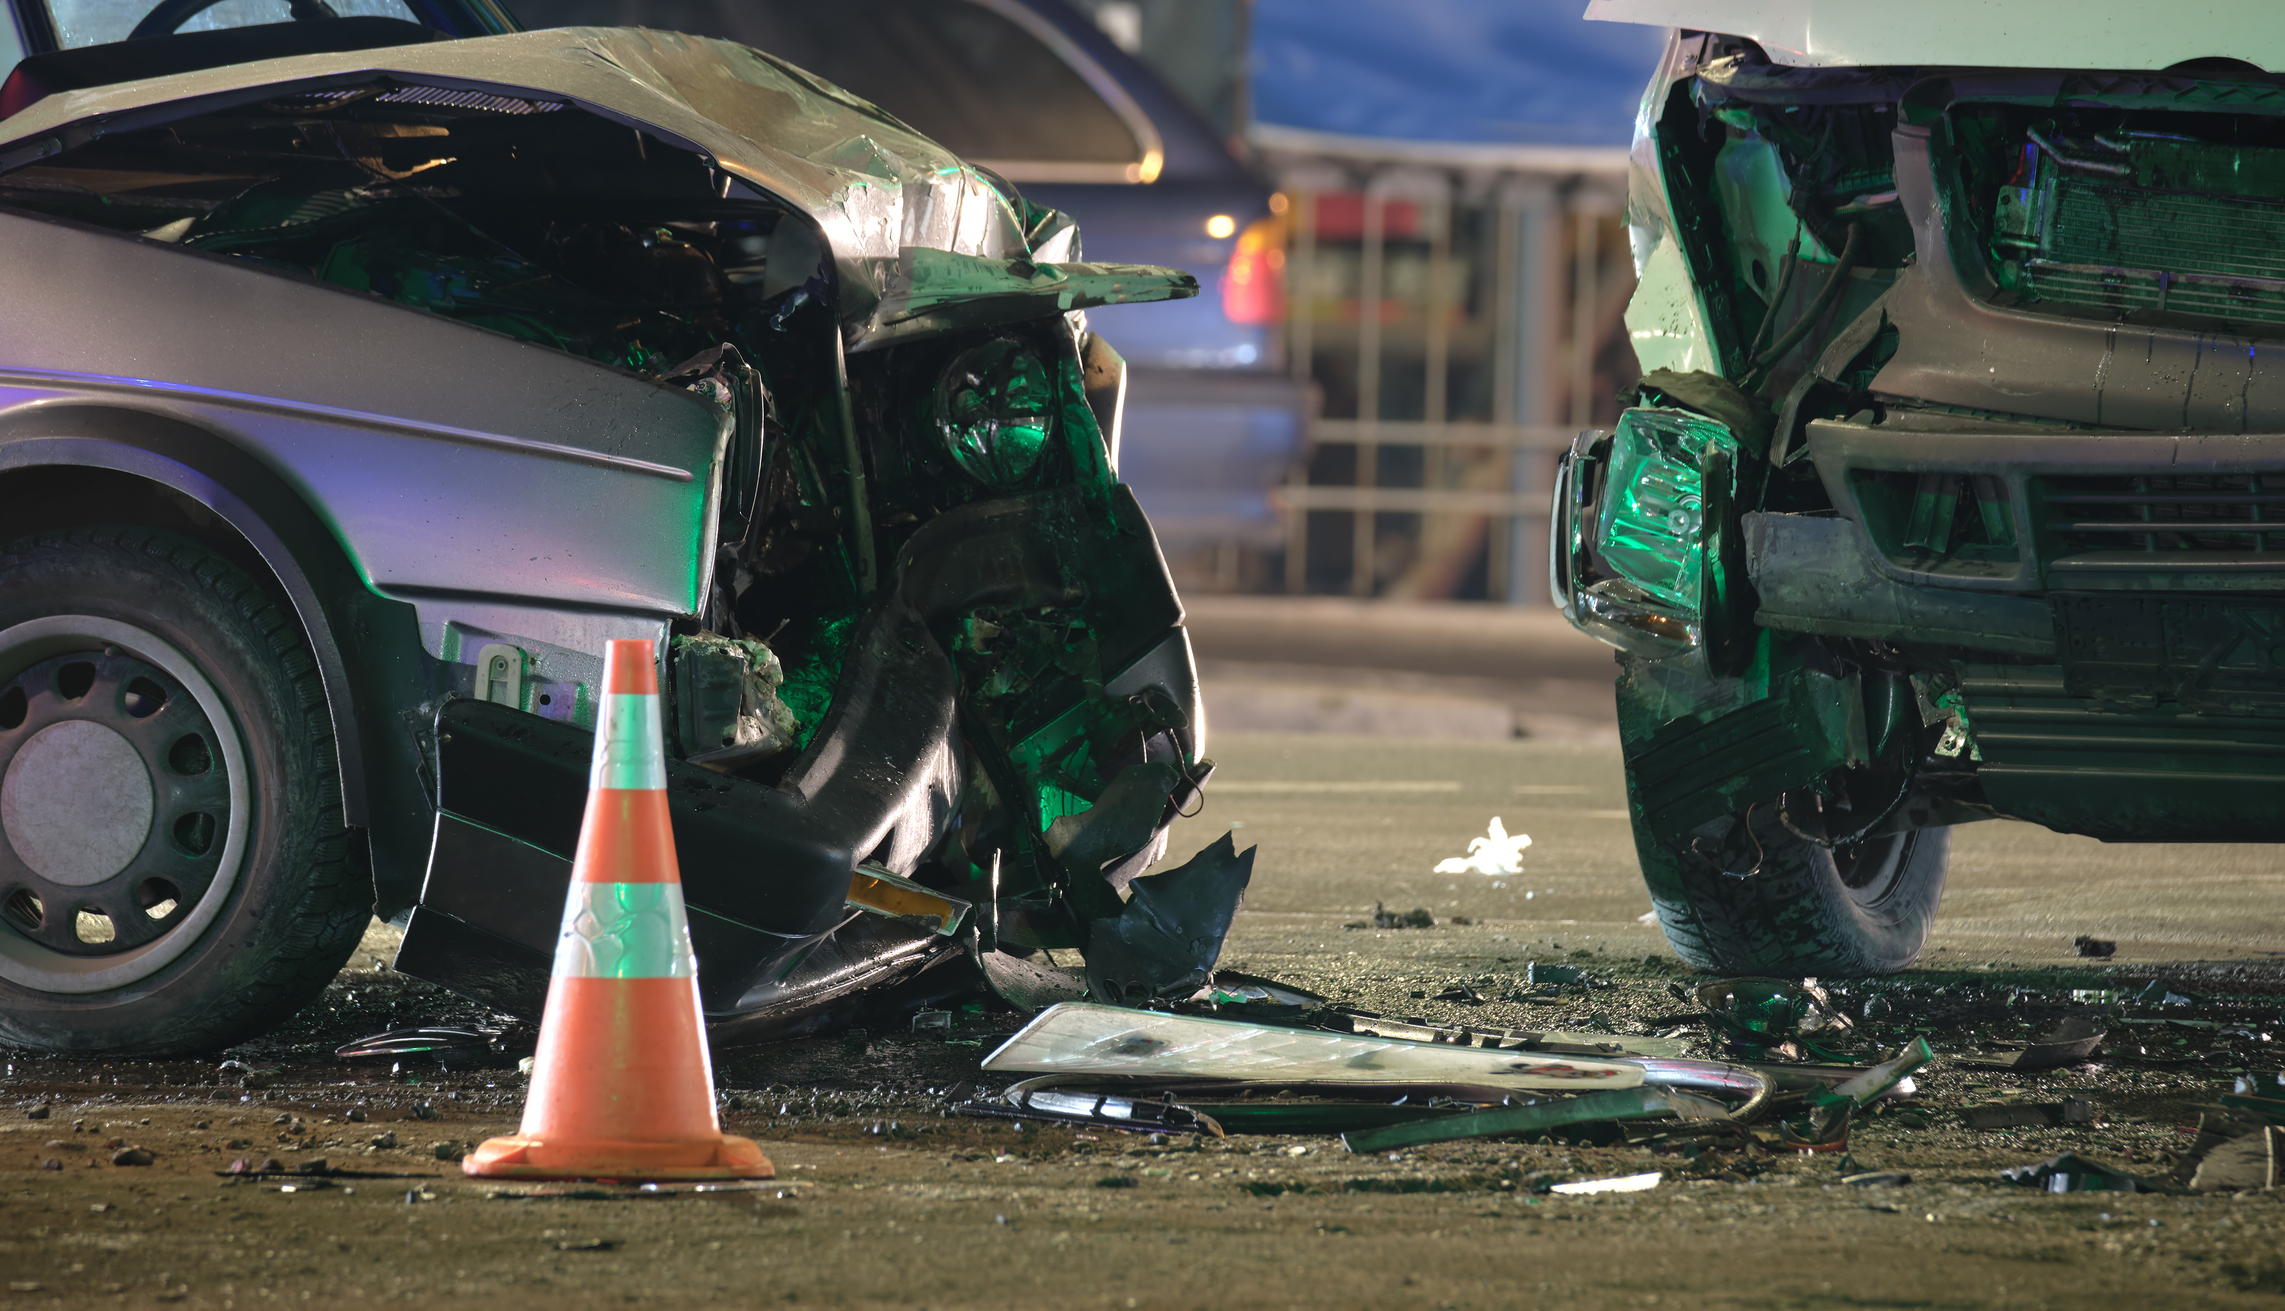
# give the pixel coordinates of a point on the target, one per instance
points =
(885, 1199)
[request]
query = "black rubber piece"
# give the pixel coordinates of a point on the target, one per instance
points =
(1802, 913)
(303, 895)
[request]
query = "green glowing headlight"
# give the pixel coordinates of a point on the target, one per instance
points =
(1649, 531)
(994, 406)
(1637, 555)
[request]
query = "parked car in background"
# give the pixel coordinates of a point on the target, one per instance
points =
(1033, 91)
(1956, 486)
(362, 376)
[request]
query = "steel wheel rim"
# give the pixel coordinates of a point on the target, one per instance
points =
(33, 964)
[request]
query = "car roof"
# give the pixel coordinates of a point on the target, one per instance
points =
(2101, 34)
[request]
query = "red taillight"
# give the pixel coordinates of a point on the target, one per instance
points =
(1253, 282)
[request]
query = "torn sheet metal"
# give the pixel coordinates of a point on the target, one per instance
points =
(876, 193)
(1167, 940)
(2068, 1043)
(1081, 1038)
(1616, 1105)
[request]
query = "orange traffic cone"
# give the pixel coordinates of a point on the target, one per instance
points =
(622, 1086)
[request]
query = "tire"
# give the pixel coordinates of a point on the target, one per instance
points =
(174, 872)
(1803, 912)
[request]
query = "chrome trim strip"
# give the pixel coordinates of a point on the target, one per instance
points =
(309, 409)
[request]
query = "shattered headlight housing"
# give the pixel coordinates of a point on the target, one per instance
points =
(995, 407)
(1640, 514)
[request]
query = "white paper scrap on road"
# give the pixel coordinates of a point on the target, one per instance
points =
(1084, 1038)
(1625, 1183)
(1494, 853)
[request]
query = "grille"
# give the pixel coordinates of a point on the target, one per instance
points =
(2124, 522)
(443, 97)
(2188, 227)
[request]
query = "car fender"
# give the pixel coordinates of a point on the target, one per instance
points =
(367, 647)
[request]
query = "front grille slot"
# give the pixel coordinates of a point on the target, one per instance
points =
(2162, 521)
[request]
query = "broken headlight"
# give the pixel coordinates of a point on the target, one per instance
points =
(1637, 514)
(995, 410)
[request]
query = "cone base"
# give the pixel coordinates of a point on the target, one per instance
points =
(725, 1157)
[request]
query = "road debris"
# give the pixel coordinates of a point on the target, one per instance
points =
(1778, 1017)
(1169, 938)
(1384, 918)
(2254, 1159)
(1627, 1183)
(1496, 853)
(2094, 948)
(1614, 1106)
(2068, 1043)
(1082, 1039)
(2072, 1173)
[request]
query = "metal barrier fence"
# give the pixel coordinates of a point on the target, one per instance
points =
(1456, 307)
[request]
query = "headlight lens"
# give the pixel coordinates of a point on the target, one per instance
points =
(1654, 501)
(995, 407)
(1629, 556)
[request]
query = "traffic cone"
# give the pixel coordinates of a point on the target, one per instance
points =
(622, 1087)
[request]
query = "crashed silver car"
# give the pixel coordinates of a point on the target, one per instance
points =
(364, 372)
(1955, 486)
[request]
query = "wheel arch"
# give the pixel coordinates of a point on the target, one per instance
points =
(66, 465)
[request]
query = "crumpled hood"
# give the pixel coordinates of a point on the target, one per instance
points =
(2103, 34)
(877, 189)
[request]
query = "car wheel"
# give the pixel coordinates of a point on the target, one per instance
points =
(1807, 909)
(174, 874)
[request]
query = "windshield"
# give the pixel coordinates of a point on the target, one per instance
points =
(101, 22)
(973, 80)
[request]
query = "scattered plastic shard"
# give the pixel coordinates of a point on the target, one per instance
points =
(1080, 1038)
(1826, 1130)
(1242, 996)
(1619, 1104)
(1093, 1108)
(2068, 1043)
(1167, 940)
(2094, 948)
(882, 892)
(2158, 994)
(1494, 853)
(1625, 1183)
(1031, 983)
(1864, 1088)
(2072, 1173)
(448, 1047)
(2254, 1160)
(1877, 1179)
(1541, 972)
(1770, 1013)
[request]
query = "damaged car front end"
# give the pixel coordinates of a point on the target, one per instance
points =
(473, 354)
(1955, 484)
